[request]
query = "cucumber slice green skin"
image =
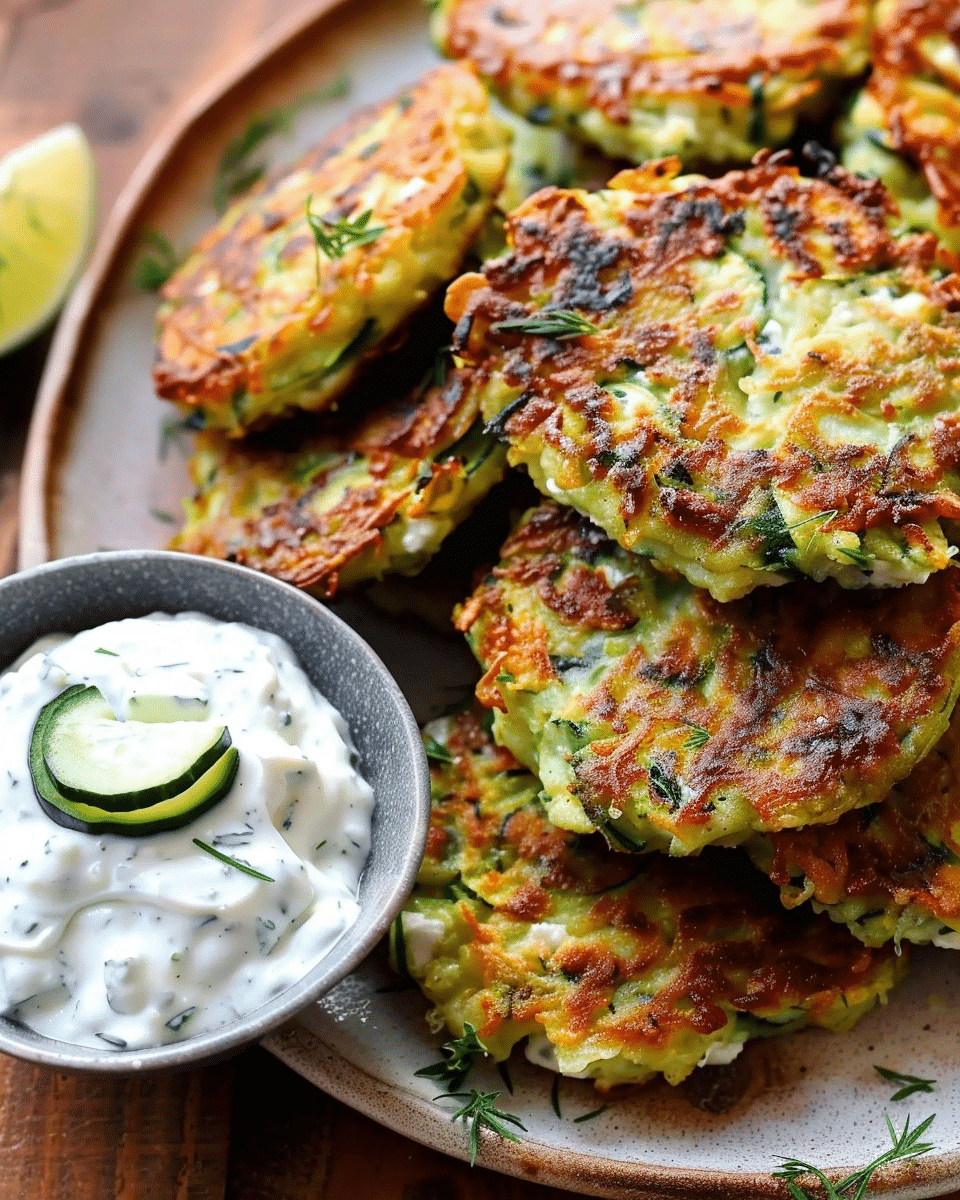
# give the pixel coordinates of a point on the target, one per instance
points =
(169, 813)
(61, 733)
(172, 813)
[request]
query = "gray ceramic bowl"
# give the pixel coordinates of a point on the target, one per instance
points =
(79, 593)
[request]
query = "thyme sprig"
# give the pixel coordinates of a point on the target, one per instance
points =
(233, 862)
(558, 324)
(237, 170)
(910, 1083)
(906, 1144)
(458, 1059)
(335, 238)
(481, 1112)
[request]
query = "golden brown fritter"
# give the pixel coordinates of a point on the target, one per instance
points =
(891, 870)
(747, 378)
(670, 721)
(261, 320)
(905, 126)
(341, 508)
(706, 80)
(615, 967)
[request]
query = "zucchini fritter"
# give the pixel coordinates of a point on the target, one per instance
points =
(615, 967)
(344, 508)
(259, 320)
(669, 721)
(712, 80)
(905, 125)
(888, 871)
(746, 378)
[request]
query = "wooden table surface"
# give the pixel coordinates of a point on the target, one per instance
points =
(249, 1129)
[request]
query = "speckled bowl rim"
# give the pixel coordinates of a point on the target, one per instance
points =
(335, 965)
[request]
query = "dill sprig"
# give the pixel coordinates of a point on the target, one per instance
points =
(233, 862)
(458, 1059)
(911, 1083)
(335, 238)
(698, 735)
(236, 170)
(558, 324)
(436, 750)
(481, 1112)
(906, 1144)
(157, 263)
(857, 556)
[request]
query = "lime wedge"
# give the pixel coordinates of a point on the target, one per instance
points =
(46, 218)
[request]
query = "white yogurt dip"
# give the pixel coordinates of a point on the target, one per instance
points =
(130, 942)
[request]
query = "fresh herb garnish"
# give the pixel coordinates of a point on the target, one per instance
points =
(481, 1112)
(162, 515)
(558, 323)
(101, 650)
(157, 263)
(235, 170)
(555, 1097)
(906, 1144)
(590, 1115)
(911, 1083)
(435, 750)
(776, 533)
(176, 1023)
(335, 238)
(698, 736)
(398, 946)
(860, 557)
(233, 862)
(665, 785)
(458, 1059)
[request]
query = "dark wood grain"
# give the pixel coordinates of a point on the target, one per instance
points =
(249, 1129)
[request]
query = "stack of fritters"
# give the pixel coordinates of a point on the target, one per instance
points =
(279, 308)
(613, 966)
(731, 629)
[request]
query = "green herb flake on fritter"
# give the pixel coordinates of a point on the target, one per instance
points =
(342, 508)
(613, 966)
(712, 80)
(670, 721)
(749, 378)
(309, 275)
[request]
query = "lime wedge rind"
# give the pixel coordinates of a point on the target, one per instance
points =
(46, 223)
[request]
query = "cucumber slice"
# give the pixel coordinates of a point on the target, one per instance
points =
(121, 766)
(173, 813)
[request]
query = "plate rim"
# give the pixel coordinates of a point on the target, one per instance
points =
(533, 1161)
(80, 309)
(536, 1161)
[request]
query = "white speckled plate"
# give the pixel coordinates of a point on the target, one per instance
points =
(96, 477)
